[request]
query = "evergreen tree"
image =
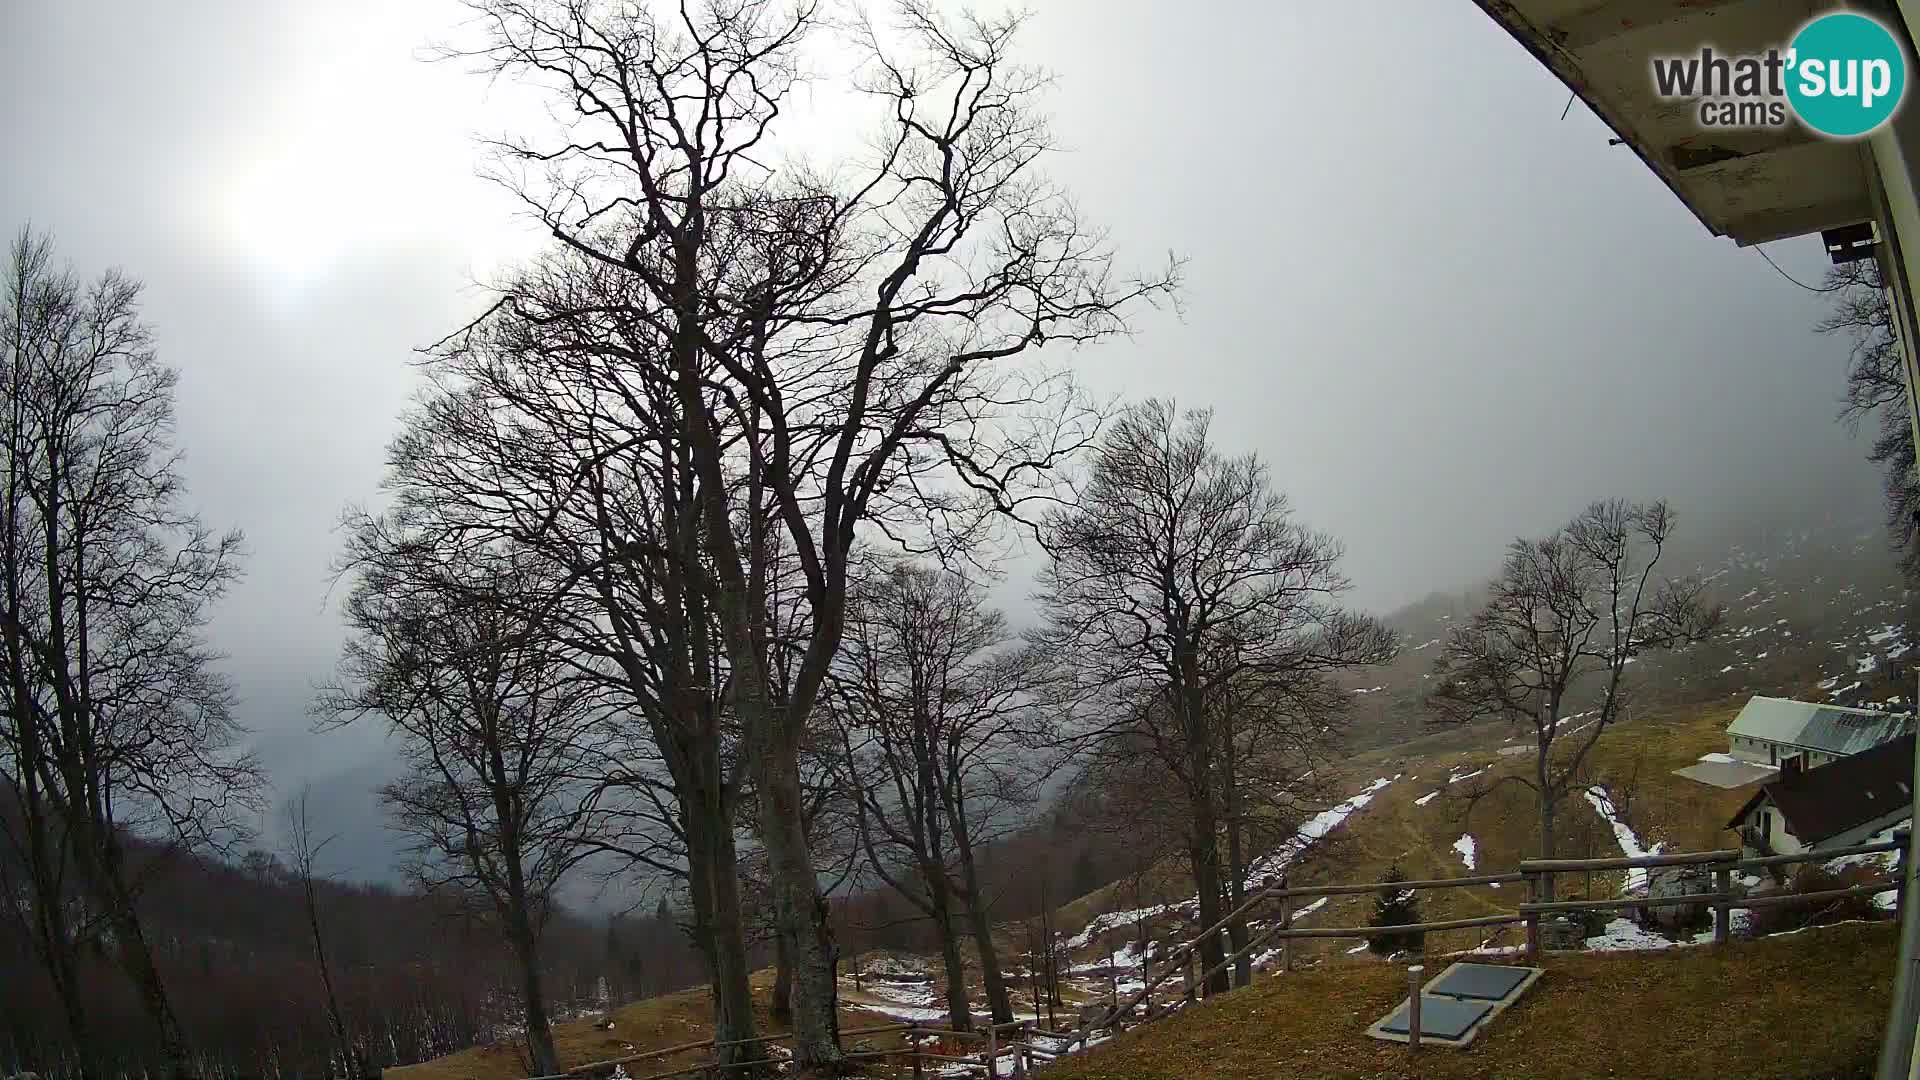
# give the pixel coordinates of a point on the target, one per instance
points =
(1395, 907)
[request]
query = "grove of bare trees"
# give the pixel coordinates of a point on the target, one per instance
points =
(114, 720)
(1203, 621)
(679, 586)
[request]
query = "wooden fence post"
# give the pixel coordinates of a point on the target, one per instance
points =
(1191, 988)
(1286, 923)
(1722, 909)
(1533, 917)
(1414, 972)
(919, 1062)
(993, 1050)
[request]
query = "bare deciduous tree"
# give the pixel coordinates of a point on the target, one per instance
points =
(1177, 574)
(303, 853)
(116, 723)
(945, 728)
(840, 340)
(1877, 392)
(497, 731)
(1567, 615)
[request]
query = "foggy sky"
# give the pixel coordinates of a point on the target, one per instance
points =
(1443, 314)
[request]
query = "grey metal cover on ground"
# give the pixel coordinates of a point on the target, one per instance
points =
(1440, 1017)
(1487, 982)
(1459, 1003)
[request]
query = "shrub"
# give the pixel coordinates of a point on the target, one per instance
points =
(1395, 907)
(1814, 878)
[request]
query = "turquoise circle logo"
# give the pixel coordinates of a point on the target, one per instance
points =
(1847, 74)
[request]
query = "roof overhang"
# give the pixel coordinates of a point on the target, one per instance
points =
(1752, 185)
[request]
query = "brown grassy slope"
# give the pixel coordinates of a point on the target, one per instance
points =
(653, 1024)
(1802, 1006)
(1634, 760)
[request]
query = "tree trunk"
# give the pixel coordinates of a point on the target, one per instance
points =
(719, 925)
(1203, 839)
(526, 950)
(781, 1008)
(1547, 799)
(1236, 864)
(959, 1012)
(795, 891)
(998, 999)
(348, 1059)
(136, 959)
(1203, 854)
(1202, 842)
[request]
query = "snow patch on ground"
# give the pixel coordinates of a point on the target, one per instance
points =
(920, 994)
(1456, 777)
(1125, 958)
(1622, 934)
(887, 965)
(1629, 843)
(1465, 847)
(1883, 862)
(1316, 827)
(1427, 798)
(1113, 920)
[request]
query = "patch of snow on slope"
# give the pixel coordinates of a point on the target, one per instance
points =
(1882, 861)
(1113, 920)
(1622, 934)
(1427, 798)
(1459, 776)
(920, 994)
(1629, 843)
(1719, 758)
(1464, 846)
(1316, 827)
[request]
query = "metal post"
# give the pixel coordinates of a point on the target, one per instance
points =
(1722, 912)
(1533, 917)
(1900, 871)
(1413, 1006)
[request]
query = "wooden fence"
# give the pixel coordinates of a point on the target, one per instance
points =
(1020, 1038)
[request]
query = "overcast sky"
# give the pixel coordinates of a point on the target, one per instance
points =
(1443, 314)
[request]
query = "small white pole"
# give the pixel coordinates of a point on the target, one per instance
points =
(1413, 1006)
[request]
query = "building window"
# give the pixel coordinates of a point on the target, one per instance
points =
(1766, 826)
(1773, 755)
